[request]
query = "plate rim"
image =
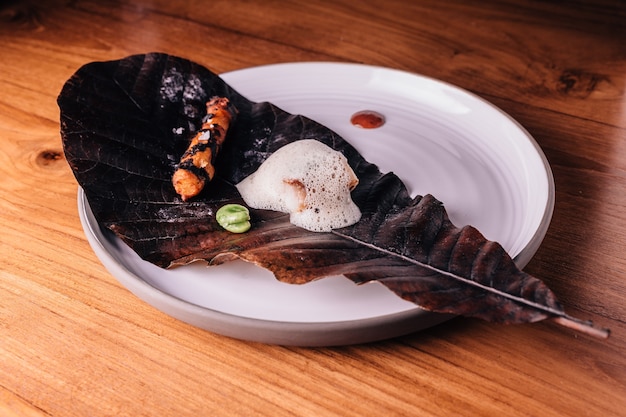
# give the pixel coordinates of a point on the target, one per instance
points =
(301, 333)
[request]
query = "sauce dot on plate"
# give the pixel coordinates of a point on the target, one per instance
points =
(367, 119)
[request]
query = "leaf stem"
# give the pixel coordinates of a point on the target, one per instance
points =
(585, 327)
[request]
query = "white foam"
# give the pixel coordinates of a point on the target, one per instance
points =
(308, 180)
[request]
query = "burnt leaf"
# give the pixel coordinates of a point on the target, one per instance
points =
(124, 125)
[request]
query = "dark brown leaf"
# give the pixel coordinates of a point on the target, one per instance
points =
(124, 125)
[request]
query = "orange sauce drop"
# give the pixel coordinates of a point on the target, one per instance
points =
(367, 119)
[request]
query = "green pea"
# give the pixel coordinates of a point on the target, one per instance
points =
(233, 217)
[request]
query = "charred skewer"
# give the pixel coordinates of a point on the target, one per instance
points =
(197, 165)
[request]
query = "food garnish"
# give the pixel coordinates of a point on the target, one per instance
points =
(234, 217)
(121, 122)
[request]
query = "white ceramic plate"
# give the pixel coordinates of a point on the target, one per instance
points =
(437, 138)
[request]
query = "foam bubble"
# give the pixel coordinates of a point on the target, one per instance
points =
(308, 180)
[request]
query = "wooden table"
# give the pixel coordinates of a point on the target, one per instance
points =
(74, 342)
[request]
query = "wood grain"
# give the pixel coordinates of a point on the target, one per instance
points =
(74, 342)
